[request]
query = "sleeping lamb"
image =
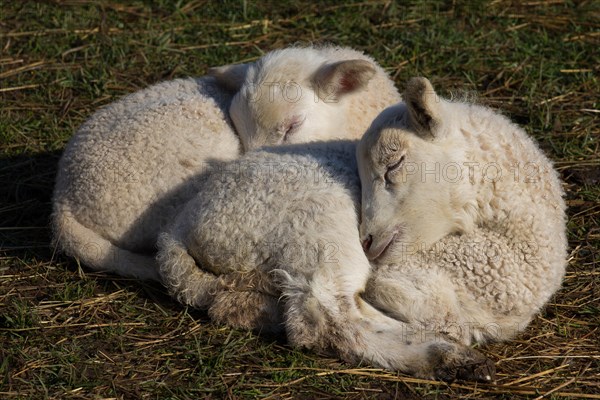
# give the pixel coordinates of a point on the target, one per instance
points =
(123, 175)
(300, 94)
(463, 216)
(278, 240)
(133, 164)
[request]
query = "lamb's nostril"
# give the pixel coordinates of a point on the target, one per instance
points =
(366, 244)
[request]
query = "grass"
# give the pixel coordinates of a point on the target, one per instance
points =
(67, 333)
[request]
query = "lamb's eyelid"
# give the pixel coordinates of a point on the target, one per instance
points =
(298, 119)
(294, 124)
(392, 168)
(396, 164)
(288, 122)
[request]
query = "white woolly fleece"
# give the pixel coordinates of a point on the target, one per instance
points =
(128, 169)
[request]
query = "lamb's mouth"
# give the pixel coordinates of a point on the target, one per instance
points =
(379, 251)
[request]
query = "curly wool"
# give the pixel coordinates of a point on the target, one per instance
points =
(131, 166)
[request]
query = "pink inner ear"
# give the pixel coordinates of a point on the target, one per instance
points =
(347, 83)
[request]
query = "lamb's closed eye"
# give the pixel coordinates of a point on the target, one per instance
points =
(291, 126)
(392, 169)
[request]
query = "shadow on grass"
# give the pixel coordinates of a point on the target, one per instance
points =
(25, 203)
(27, 183)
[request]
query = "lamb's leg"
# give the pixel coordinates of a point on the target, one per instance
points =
(95, 251)
(248, 310)
(251, 301)
(327, 313)
(480, 286)
(421, 296)
(240, 300)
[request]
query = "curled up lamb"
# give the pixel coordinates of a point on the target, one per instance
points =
(272, 240)
(463, 218)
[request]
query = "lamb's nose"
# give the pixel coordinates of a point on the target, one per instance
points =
(366, 244)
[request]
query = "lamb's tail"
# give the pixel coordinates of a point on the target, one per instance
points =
(242, 300)
(321, 314)
(96, 252)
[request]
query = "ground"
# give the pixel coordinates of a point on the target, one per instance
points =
(67, 333)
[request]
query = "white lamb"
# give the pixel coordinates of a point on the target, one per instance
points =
(300, 94)
(283, 222)
(134, 163)
(463, 216)
(129, 168)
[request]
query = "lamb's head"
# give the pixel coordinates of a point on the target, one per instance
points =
(405, 160)
(293, 95)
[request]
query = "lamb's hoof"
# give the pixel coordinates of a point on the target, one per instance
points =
(452, 362)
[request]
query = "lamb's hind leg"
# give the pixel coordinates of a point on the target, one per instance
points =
(250, 302)
(327, 313)
(240, 300)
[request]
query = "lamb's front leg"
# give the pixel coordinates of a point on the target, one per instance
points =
(423, 297)
(480, 286)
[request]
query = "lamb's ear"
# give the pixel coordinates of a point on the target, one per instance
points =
(424, 107)
(231, 77)
(332, 81)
